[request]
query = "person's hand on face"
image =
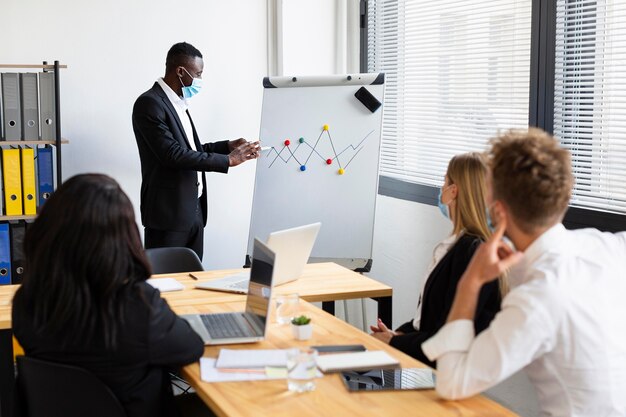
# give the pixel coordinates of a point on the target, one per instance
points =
(493, 257)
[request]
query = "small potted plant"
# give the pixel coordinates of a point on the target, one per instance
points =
(301, 327)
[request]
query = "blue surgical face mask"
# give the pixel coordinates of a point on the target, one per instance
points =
(445, 210)
(193, 89)
(490, 224)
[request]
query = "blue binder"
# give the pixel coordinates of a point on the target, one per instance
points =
(45, 179)
(5, 254)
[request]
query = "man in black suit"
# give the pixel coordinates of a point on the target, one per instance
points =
(173, 161)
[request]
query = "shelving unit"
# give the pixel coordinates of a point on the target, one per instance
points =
(55, 142)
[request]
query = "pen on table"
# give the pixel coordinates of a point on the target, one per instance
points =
(193, 276)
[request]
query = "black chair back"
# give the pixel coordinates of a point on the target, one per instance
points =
(48, 389)
(172, 260)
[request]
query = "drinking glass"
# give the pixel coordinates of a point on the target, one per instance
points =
(301, 370)
(286, 307)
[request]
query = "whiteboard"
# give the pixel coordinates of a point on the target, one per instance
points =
(320, 162)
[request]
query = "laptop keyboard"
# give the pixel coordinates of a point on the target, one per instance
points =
(222, 326)
(239, 285)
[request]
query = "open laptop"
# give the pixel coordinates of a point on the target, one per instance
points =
(244, 326)
(292, 248)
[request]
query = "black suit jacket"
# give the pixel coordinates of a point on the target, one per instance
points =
(438, 296)
(151, 340)
(169, 163)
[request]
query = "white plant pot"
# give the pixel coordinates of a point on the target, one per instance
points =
(303, 332)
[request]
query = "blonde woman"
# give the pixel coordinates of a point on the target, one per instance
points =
(462, 200)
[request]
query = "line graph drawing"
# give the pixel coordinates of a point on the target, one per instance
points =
(287, 152)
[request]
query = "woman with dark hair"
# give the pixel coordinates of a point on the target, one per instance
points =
(84, 300)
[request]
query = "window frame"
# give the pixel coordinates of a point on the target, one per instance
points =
(541, 114)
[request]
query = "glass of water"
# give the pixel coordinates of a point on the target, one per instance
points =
(286, 307)
(301, 370)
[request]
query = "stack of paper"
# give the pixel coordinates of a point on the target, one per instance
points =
(252, 358)
(210, 373)
(357, 360)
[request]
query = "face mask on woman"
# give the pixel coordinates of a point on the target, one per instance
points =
(445, 210)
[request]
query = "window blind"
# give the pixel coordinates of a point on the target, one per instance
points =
(590, 99)
(456, 72)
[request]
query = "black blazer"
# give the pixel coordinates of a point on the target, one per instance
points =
(169, 163)
(438, 296)
(151, 340)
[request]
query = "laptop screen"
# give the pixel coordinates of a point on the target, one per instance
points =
(260, 287)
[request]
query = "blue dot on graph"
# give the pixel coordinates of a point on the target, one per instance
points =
(302, 167)
(301, 140)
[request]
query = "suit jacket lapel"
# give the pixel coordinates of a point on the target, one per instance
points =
(172, 110)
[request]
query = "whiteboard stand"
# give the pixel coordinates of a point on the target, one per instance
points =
(321, 139)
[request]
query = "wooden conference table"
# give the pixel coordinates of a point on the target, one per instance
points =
(330, 398)
(320, 282)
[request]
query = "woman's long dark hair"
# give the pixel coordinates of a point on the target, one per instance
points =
(82, 256)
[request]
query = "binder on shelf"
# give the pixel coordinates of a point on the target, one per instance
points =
(47, 112)
(18, 231)
(12, 181)
(29, 98)
(2, 208)
(5, 254)
(45, 178)
(11, 106)
(29, 191)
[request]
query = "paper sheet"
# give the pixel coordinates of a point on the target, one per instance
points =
(252, 358)
(165, 284)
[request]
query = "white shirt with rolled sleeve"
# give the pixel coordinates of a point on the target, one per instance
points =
(564, 321)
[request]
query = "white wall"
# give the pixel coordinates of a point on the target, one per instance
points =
(115, 50)
(309, 37)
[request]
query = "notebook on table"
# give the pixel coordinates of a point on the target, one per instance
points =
(292, 248)
(245, 326)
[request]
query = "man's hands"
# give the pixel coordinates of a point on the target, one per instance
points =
(241, 151)
(492, 258)
(382, 333)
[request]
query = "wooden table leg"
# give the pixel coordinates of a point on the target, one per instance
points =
(329, 307)
(7, 373)
(384, 310)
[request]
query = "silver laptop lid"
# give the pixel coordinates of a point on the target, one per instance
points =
(292, 248)
(260, 286)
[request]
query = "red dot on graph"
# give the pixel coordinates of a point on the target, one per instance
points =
(287, 142)
(329, 161)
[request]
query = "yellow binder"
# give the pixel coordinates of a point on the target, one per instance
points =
(12, 181)
(17, 349)
(28, 181)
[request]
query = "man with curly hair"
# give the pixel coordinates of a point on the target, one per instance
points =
(563, 320)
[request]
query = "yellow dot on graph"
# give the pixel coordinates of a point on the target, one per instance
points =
(325, 127)
(340, 171)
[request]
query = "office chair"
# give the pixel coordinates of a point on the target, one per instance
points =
(43, 391)
(172, 260)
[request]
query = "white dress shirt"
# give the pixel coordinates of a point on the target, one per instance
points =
(564, 322)
(438, 253)
(180, 105)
